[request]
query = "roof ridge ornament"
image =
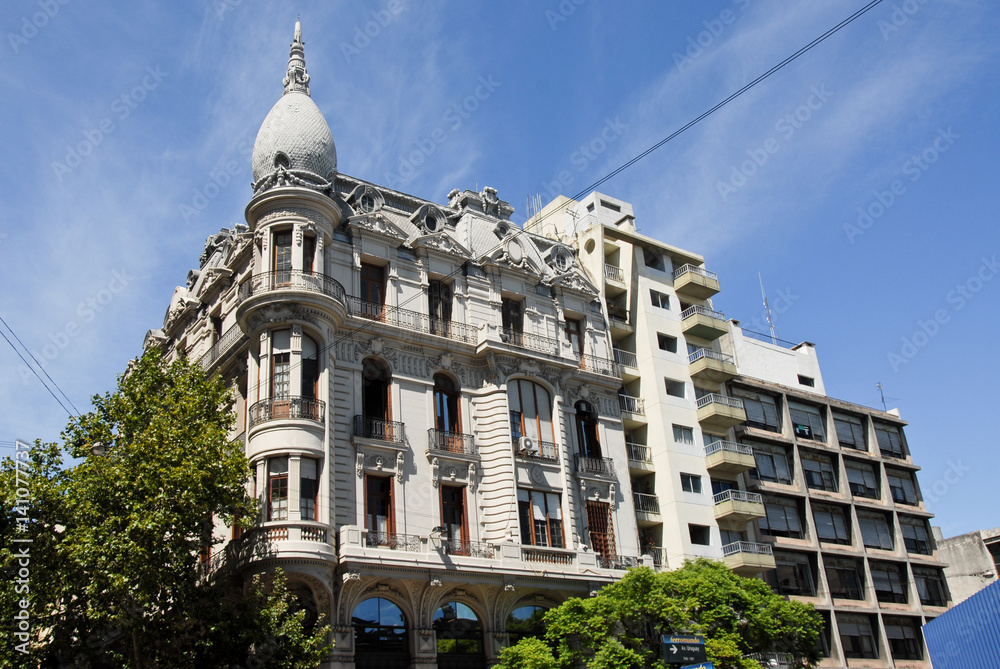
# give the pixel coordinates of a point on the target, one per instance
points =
(296, 78)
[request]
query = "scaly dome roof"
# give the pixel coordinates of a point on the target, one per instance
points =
(294, 144)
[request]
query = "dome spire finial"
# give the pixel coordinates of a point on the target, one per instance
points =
(296, 78)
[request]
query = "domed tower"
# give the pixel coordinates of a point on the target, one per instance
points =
(291, 309)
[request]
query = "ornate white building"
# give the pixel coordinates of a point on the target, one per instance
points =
(456, 423)
(426, 394)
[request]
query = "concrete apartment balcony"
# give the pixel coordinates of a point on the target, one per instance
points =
(633, 410)
(647, 509)
(619, 321)
(640, 458)
(738, 507)
(747, 558)
(718, 412)
(695, 282)
(708, 366)
(628, 364)
(614, 279)
(702, 322)
(728, 458)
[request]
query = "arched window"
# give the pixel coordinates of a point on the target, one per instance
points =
(586, 431)
(525, 621)
(459, 637)
(531, 415)
(447, 417)
(380, 635)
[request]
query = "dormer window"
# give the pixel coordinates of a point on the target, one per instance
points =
(281, 160)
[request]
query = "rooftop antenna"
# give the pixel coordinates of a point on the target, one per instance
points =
(881, 394)
(767, 310)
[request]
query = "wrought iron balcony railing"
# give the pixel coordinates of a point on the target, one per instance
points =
(626, 358)
(733, 495)
(379, 429)
(604, 366)
(618, 314)
(544, 451)
(731, 446)
(614, 272)
(277, 408)
(703, 311)
(411, 320)
(289, 279)
(645, 503)
(530, 341)
(478, 549)
(451, 442)
(700, 353)
(638, 452)
(226, 342)
(715, 398)
(595, 466)
(632, 404)
(392, 541)
(693, 269)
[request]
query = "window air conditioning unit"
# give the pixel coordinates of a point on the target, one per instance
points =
(527, 445)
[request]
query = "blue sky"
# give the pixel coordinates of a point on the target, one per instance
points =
(856, 180)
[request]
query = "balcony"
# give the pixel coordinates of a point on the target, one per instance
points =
(708, 366)
(738, 507)
(614, 273)
(647, 508)
(391, 541)
(628, 364)
(542, 451)
(658, 555)
(226, 343)
(747, 558)
(286, 408)
(597, 365)
(530, 341)
(442, 441)
(699, 321)
(719, 412)
(728, 458)
(633, 411)
(618, 562)
(378, 429)
(477, 549)
(602, 467)
(639, 454)
(618, 321)
(695, 282)
(294, 281)
(412, 321)
(557, 556)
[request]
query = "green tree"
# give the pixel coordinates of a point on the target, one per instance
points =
(114, 539)
(621, 626)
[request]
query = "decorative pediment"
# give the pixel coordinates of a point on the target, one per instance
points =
(181, 304)
(378, 224)
(442, 242)
(366, 199)
(429, 219)
(517, 253)
(575, 281)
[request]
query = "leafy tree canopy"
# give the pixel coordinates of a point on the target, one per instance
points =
(622, 625)
(113, 540)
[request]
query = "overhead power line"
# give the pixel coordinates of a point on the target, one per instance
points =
(75, 411)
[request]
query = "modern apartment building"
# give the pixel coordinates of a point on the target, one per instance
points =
(426, 394)
(973, 561)
(736, 453)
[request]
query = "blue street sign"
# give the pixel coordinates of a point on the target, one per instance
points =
(703, 665)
